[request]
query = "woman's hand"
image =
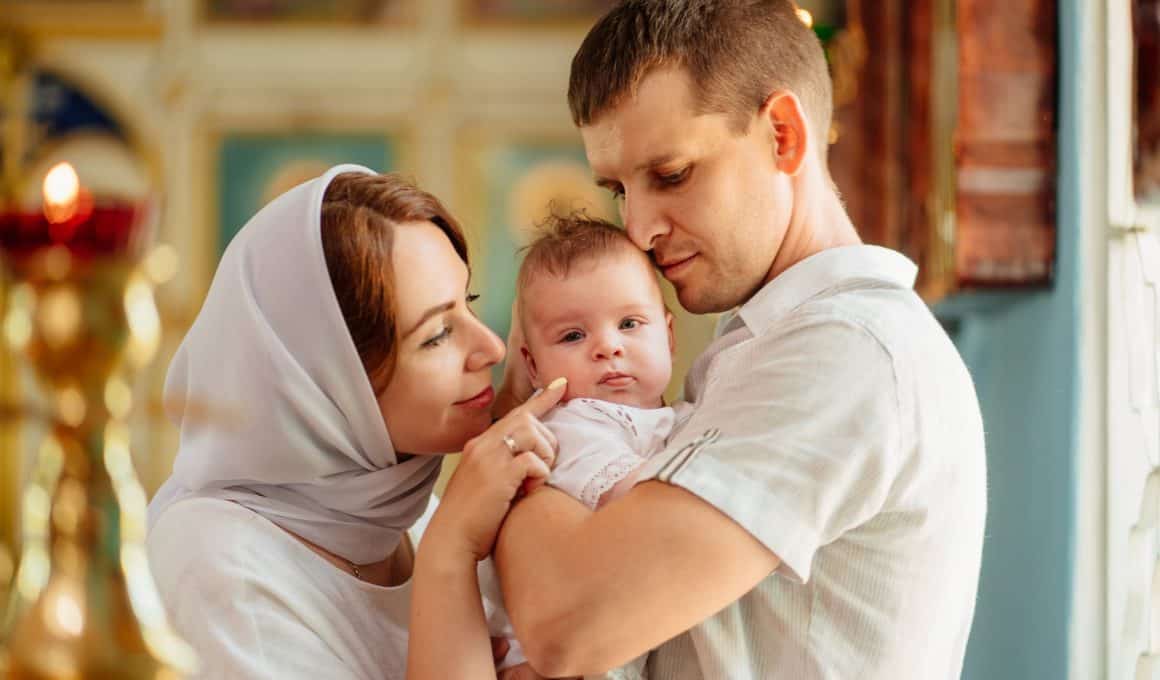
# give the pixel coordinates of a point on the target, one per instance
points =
(492, 470)
(448, 629)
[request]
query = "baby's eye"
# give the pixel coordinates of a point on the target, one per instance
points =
(572, 336)
(629, 324)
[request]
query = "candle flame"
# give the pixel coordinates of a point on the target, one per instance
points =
(805, 17)
(62, 187)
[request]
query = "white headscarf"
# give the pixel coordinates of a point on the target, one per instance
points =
(304, 444)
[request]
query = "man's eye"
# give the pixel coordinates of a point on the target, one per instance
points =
(674, 178)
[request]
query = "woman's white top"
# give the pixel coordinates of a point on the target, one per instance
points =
(257, 603)
(602, 442)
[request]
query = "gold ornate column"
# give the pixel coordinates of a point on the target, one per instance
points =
(79, 310)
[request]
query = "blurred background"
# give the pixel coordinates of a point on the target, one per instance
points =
(1010, 147)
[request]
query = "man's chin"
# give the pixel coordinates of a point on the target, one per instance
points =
(694, 301)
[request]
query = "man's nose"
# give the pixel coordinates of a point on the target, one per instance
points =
(643, 220)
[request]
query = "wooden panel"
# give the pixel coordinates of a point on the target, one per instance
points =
(919, 238)
(1146, 26)
(1005, 143)
(866, 159)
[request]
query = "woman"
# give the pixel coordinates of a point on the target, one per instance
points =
(335, 358)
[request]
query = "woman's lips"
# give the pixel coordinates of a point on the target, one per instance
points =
(481, 400)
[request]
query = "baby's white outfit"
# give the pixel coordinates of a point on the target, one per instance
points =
(601, 443)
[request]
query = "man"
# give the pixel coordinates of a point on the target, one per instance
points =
(820, 515)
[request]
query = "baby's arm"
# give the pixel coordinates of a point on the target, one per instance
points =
(595, 452)
(621, 487)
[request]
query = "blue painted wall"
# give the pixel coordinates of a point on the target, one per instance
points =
(1023, 351)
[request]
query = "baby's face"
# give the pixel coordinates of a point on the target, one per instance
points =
(604, 327)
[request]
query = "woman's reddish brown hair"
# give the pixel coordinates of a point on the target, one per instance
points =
(359, 216)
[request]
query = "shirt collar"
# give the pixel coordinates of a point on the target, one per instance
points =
(815, 274)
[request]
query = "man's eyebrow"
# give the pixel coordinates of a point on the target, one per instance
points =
(661, 159)
(437, 309)
(655, 161)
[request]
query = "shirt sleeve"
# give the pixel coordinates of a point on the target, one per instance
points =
(596, 448)
(795, 437)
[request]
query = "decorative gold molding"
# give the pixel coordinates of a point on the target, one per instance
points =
(80, 19)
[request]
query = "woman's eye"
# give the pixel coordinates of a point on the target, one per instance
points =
(572, 336)
(472, 297)
(629, 324)
(438, 339)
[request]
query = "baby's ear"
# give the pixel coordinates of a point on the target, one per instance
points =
(530, 364)
(672, 335)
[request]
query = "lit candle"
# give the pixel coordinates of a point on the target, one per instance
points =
(71, 218)
(61, 189)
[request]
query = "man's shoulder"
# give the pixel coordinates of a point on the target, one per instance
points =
(880, 320)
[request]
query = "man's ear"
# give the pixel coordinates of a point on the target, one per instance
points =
(785, 118)
(530, 364)
(672, 334)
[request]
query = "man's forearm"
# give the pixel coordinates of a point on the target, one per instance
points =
(544, 573)
(589, 591)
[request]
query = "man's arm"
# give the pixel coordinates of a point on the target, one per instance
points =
(590, 591)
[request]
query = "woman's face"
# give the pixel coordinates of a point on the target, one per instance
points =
(440, 393)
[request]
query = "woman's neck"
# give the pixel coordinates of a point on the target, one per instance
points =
(395, 570)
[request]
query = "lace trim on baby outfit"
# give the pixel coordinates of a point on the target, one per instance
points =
(607, 478)
(615, 413)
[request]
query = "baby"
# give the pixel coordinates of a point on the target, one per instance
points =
(591, 310)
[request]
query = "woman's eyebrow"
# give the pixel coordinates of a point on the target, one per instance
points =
(437, 309)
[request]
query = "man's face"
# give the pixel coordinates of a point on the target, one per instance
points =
(709, 205)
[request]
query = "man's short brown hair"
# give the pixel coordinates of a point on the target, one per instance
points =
(736, 51)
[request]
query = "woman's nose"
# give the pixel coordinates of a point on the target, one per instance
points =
(487, 350)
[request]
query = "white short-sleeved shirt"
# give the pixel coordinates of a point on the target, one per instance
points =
(601, 443)
(836, 422)
(254, 602)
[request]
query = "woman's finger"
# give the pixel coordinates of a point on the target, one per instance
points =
(543, 449)
(499, 648)
(530, 436)
(541, 403)
(547, 434)
(531, 465)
